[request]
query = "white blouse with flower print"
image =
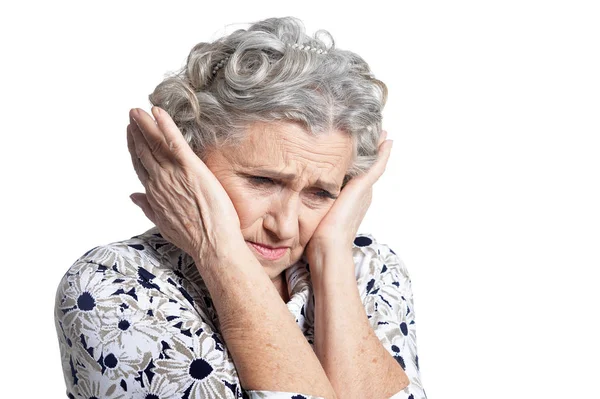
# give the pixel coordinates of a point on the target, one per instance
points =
(135, 320)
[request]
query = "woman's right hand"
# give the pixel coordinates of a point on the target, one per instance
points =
(183, 197)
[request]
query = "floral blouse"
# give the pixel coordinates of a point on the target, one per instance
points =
(135, 320)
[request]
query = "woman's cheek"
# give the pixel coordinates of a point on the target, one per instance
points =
(250, 207)
(310, 221)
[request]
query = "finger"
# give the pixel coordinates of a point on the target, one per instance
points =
(154, 136)
(174, 140)
(142, 151)
(382, 138)
(375, 172)
(137, 164)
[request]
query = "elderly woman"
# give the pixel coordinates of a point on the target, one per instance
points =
(258, 165)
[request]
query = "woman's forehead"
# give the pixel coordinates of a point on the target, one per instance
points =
(286, 151)
(284, 142)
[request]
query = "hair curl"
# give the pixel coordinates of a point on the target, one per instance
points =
(258, 75)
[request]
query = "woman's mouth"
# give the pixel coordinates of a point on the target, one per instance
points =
(268, 252)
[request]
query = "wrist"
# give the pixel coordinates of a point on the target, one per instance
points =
(330, 266)
(230, 255)
(318, 249)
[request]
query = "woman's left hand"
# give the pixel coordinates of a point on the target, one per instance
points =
(338, 228)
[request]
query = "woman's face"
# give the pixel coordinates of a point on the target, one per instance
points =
(282, 181)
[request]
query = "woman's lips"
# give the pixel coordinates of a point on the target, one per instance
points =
(268, 252)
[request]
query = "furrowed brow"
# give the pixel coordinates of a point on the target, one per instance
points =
(325, 185)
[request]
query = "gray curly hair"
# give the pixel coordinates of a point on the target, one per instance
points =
(274, 71)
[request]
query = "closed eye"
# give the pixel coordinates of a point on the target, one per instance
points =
(261, 180)
(325, 194)
(267, 181)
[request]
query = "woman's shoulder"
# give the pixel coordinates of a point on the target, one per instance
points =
(146, 256)
(138, 272)
(378, 264)
(146, 250)
(145, 262)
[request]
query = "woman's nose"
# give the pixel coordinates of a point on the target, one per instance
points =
(282, 219)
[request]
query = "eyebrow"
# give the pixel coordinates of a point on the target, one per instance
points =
(325, 185)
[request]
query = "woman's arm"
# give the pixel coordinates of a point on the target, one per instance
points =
(192, 210)
(345, 342)
(355, 361)
(268, 348)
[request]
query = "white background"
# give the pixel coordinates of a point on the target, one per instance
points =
(491, 196)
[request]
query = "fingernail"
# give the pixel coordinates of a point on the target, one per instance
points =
(134, 200)
(156, 112)
(134, 113)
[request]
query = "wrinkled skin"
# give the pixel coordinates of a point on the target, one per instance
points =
(276, 188)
